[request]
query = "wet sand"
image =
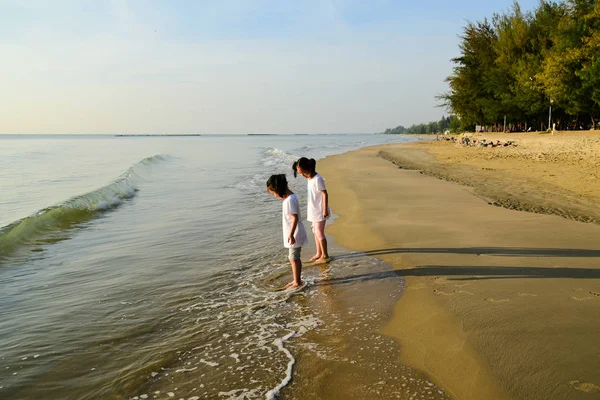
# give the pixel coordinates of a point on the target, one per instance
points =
(499, 303)
(346, 356)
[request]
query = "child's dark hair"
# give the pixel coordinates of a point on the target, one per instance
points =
(306, 165)
(278, 184)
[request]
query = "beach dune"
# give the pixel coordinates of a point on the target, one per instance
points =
(500, 303)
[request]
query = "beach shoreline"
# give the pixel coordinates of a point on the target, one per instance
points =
(475, 315)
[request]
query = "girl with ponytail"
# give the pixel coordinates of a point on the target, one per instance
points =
(318, 205)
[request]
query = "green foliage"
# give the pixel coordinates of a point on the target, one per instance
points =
(450, 123)
(521, 63)
(474, 102)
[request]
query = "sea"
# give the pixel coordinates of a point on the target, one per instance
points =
(151, 267)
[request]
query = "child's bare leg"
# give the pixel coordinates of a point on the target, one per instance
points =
(296, 272)
(318, 246)
(324, 253)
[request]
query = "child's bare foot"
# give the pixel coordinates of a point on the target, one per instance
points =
(315, 257)
(295, 284)
(289, 285)
(322, 260)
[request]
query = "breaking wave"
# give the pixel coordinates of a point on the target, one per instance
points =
(51, 224)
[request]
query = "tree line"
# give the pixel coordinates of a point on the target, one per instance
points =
(450, 123)
(527, 70)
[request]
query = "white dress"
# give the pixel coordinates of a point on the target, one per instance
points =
(314, 211)
(291, 205)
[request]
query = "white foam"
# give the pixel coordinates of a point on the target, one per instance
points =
(187, 369)
(209, 363)
(288, 376)
(128, 191)
(107, 204)
(103, 205)
(305, 324)
(243, 394)
(276, 157)
(232, 394)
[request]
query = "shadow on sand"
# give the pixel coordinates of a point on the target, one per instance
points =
(455, 272)
(495, 251)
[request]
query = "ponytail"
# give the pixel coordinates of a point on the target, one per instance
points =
(306, 165)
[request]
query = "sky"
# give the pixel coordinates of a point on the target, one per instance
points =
(228, 66)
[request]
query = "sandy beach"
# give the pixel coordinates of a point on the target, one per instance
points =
(502, 275)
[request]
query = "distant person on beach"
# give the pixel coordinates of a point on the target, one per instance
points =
(318, 204)
(294, 234)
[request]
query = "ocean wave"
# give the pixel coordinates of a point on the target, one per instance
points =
(50, 224)
(274, 161)
(274, 157)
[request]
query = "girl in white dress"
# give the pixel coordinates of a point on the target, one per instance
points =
(294, 234)
(318, 210)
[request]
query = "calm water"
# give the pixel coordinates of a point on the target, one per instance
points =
(148, 267)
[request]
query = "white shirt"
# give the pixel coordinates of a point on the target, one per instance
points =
(314, 211)
(291, 205)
